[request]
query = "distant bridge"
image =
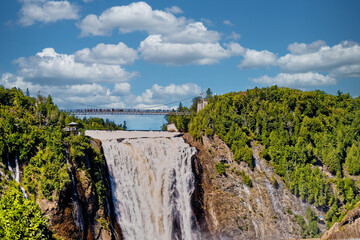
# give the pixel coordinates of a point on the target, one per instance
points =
(122, 111)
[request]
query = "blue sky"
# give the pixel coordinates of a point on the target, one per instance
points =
(96, 53)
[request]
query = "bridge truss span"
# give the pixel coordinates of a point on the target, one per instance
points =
(120, 111)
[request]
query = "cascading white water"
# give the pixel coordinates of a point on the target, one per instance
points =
(17, 169)
(152, 183)
(16, 174)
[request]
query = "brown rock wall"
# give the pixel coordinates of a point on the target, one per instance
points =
(233, 210)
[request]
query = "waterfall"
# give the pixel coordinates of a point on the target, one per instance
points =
(10, 168)
(15, 172)
(152, 183)
(17, 169)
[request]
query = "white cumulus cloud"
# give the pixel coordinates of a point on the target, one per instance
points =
(49, 67)
(172, 40)
(309, 79)
(320, 57)
(137, 16)
(122, 89)
(153, 49)
(171, 92)
(107, 54)
(302, 48)
(193, 33)
(347, 71)
(67, 96)
(339, 60)
(256, 59)
(174, 9)
(314, 64)
(46, 11)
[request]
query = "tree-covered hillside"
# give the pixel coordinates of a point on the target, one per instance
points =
(32, 137)
(311, 138)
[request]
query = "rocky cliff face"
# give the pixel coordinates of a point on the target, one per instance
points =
(348, 228)
(77, 214)
(228, 209)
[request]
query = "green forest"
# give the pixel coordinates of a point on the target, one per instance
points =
(311, 138)
(31, 130)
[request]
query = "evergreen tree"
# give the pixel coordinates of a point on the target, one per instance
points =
(353, 159)
(208, 93)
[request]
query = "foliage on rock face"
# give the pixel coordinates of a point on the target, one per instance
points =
(21, 218)
(306, 136)
(31, 130)
(220, 168)
(310, 229)
(246, 179)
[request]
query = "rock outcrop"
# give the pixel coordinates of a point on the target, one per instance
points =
(231, 209)
(348, 228)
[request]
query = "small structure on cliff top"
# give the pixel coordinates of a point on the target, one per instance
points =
(202, 103)
(72, 127)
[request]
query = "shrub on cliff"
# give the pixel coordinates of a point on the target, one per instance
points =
(246, 179)
(220, 168)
